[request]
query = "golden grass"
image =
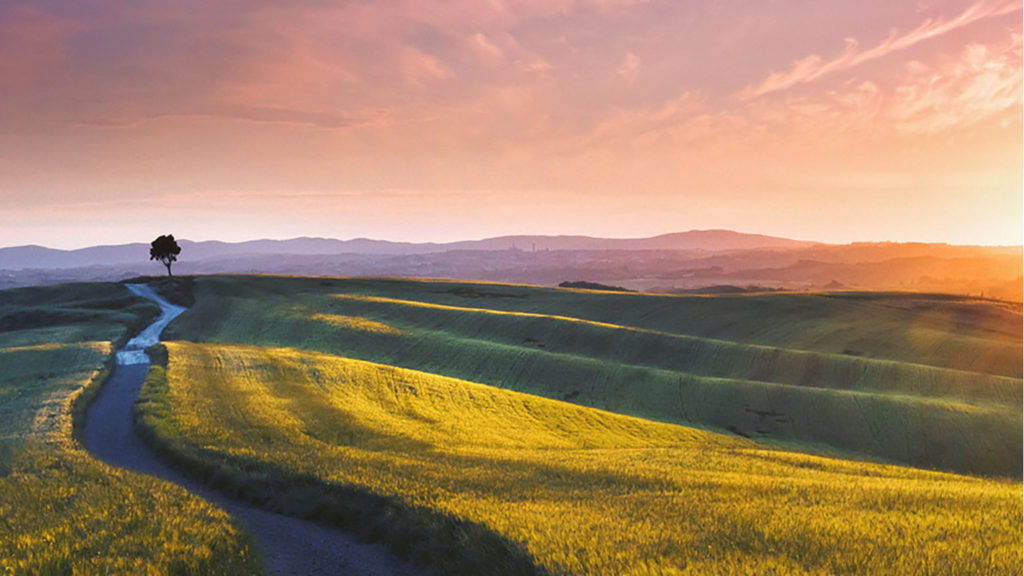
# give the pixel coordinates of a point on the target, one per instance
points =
(356, 323)
(741, 352)
(924, 380)
(65, 513)
(420, 304)
(586, 491)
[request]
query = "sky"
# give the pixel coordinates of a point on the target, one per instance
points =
(440, 120)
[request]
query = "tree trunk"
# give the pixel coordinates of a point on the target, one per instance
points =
(168, 264)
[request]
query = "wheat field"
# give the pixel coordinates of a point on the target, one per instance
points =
(582, 490)
(925, 380)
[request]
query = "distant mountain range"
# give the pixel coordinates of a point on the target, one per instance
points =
(40, 258)
(684, 261)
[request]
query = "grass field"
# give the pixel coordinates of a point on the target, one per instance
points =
(61, 511)
(927, 380)
(396, 408)
(582, 491)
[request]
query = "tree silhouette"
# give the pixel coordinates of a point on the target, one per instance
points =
(166, 250)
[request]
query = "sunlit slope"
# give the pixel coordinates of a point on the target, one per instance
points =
(938, 330)
(61, 511)
(652, 356)
(586, 491)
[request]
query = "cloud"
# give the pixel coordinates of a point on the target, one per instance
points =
(533, 62)
(267, 115)
(949, 96)
(32, 43)
(501, 47)
(418, 68)
(436, 77)
(547, 8)
(629, 68)
(812, 67)
(637, 123)
(485, 52)
(984, 82)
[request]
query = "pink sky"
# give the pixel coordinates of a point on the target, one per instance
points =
(431, 120)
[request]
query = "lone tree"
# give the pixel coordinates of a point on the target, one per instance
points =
(166, 250)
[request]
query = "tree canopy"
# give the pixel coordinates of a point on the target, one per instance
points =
(166, 250)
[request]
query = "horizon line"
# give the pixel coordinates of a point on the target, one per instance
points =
(523, 235)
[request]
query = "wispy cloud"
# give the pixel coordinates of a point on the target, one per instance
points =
(418, 68)
(484, 50)
(949, 96)
(261, 115)
(985, 82)
(633, 101)
(628, 124)
(812, 67)
(630, 67)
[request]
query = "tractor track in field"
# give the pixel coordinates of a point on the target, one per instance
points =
(288, 545)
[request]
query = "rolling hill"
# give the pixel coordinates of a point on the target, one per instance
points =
(592, 432)
(512, 429)
(410, 457)
(838, 372)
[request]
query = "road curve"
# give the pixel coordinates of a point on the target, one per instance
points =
(290, 546)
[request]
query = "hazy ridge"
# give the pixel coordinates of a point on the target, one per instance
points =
(679, 261)
(22, 257)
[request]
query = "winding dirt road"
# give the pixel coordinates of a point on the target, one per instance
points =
(290, 546)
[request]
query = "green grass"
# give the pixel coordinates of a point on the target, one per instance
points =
(62, 511)
(927, 380)
(577, 490)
